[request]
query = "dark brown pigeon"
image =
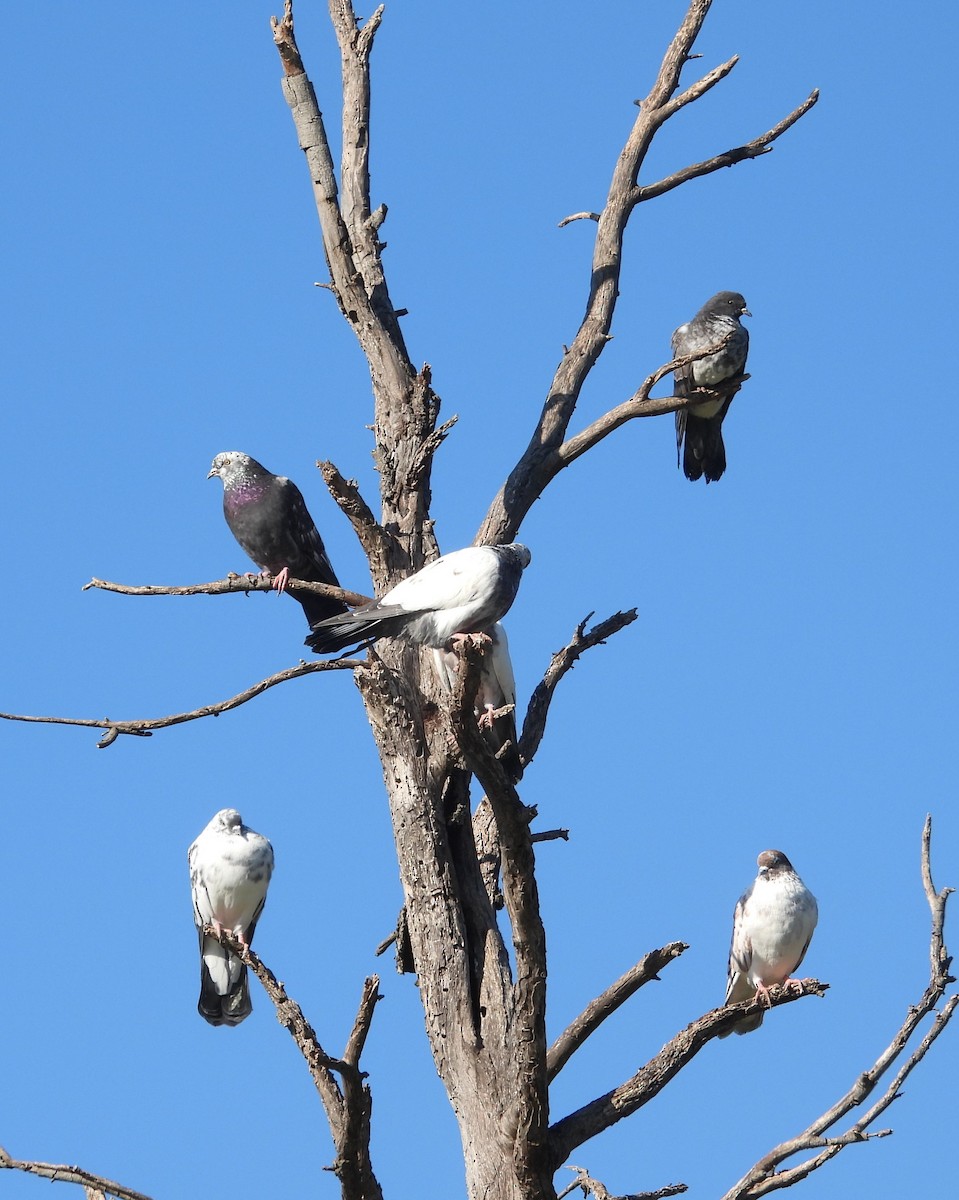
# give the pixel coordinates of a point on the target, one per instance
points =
(702, 424)
(268, 517)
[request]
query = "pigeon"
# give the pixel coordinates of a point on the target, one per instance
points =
(268, 517)
(497, 688)
(465, 591)
(702, 424)
(230, 869)
(772, 927)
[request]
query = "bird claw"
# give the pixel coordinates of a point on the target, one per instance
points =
(485, 720)
(280, 580)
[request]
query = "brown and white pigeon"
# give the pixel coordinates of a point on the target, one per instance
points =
(701, 425)
(772, 927)
(230, 869)
(268, 517)
(465, 591)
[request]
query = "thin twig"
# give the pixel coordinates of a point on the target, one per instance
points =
(534, 726)
(599, 1190)
(61, 1173)
(146, 726)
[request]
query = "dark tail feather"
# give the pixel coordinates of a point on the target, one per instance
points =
(704, 452)
(318, 608)
(503, 732)
(339, 632)
(746, 1025)
(230, 1009)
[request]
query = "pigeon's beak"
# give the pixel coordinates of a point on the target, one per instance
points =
(745, 313)
(213, 471)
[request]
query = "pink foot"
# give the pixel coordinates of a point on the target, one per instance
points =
(486, 716)
(279, 581)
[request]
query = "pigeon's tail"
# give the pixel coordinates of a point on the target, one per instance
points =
(224, 990)
(339, 632)
(746, 1025)
(318, 608)
(703, 450)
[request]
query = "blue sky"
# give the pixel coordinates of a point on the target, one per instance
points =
(791, 681)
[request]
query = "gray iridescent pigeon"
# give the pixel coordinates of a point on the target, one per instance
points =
(702, 424)
(497, 689)
(772, 927)
(268, 517)
(465, 591)
(230, 869)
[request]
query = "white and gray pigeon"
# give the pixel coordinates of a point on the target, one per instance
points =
(230, 869)
(269, 518)
(701, 425)
(772, 927)
(497, 688)
(465, 591)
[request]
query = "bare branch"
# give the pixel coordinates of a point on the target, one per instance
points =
(764, 1176)
(596, 1012)
(364, 1018)
(534, 726)
(650, 1079)
(221, 587)
(753, 149)
(60, 1173)
(372, 536)
(406, 406)
(538, 465)
(580, 216)
(347, 1110)
(699, 88)
(145, 727)
(286, 42)
(550, 835)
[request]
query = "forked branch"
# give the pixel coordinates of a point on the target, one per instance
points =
(650, 1080)
(540, 462)
(347, 1108)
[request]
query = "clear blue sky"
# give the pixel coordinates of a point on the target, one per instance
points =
(791, 682)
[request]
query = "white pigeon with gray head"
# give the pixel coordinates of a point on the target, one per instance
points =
(717, 322)
(772, 927)
(268, 516)
(465, 591)
(230, 869)
(497, 689)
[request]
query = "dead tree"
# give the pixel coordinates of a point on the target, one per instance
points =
(468, 868)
